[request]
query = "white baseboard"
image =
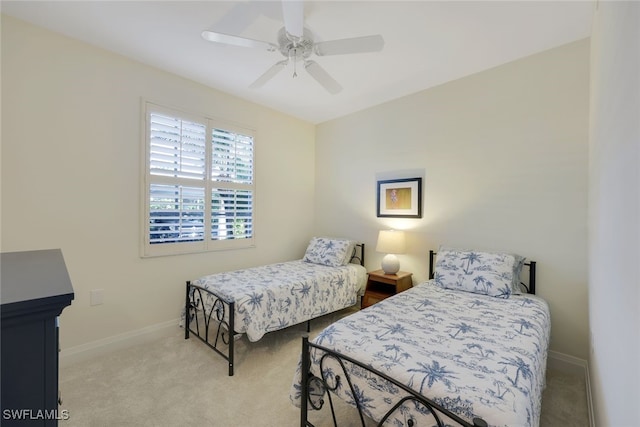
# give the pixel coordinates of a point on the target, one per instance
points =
(574, 366)
(592, 418)
(565, 363)
(104, 346)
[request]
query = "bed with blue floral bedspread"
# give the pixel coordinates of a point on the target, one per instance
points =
(477, 350)
(272, 297)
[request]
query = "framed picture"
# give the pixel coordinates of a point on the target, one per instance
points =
(400, 198)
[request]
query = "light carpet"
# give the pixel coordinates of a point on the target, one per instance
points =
(178, 382)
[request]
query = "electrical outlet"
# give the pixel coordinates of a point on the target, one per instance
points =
(96, 297)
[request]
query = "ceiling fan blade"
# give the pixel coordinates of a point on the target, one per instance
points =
(322, 77)
(293, 15)
(237, 41)
(269, 74)
(354, 45)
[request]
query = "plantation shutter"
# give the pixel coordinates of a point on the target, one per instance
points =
(231, 205)
(199, 184)
(177, 147)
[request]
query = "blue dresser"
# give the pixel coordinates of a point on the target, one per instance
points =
(35, 288)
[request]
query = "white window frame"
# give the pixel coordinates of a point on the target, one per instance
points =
(207, 183)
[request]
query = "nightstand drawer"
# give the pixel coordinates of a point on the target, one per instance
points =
(381, 286)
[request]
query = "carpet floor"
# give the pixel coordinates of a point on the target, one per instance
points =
(176, 382)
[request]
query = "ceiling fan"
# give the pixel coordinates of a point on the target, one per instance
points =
(296, 43)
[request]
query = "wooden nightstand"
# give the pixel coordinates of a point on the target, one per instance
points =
(381, 286)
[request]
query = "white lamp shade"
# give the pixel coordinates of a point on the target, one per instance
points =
(391, 242)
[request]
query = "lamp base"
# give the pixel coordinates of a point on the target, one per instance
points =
(390, 264)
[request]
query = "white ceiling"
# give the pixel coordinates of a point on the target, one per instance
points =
(426, 42)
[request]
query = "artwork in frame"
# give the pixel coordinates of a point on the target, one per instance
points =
(400, 198)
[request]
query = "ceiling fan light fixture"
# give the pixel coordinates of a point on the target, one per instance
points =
(295, 42)
(303, 45)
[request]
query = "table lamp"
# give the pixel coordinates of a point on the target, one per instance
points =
(391, 242)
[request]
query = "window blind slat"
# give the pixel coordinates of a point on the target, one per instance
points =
(231, 214)
(177, 147)
(176, 214)
(232, 157)
(181, 152)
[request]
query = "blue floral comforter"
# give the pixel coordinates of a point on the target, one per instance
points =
(476, 355)
(275, 296)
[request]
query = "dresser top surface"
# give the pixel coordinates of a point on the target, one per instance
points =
(33, 275)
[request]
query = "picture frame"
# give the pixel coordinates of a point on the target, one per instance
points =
(399, 198)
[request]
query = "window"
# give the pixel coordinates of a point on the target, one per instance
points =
(199, 184)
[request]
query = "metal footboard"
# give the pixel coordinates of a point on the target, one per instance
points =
(313, 390)
(213, 325)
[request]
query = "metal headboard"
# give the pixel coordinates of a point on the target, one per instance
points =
(531, 287)
(358, 257)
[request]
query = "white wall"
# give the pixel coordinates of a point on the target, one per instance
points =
(614, 214)
(503, 154)
(71, 142)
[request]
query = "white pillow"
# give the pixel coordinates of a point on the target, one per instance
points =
(495, 274)
(329, 251)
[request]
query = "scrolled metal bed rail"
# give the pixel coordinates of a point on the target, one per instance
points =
(313, 389)
(220, 312)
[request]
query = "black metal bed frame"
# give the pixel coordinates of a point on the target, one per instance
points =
(320, 386)
(224, 331)
(220, 316)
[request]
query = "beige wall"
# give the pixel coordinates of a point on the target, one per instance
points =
(614, 214)
(71, 142)
(503, 154)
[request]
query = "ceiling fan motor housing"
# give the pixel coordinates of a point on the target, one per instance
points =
(296, 44)
(297, 48)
